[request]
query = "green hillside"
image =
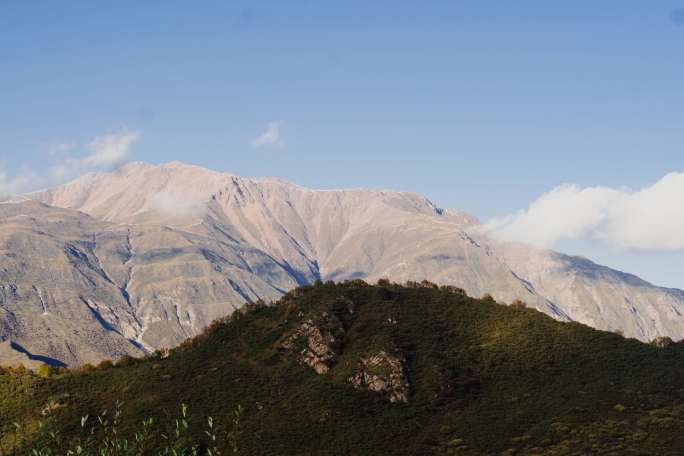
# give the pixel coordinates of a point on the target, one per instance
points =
(451, 374)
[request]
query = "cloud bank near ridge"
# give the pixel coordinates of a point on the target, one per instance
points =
(21, 182)
(103, 152)
(651, 218)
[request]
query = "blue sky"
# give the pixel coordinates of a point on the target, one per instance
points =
(482, 106)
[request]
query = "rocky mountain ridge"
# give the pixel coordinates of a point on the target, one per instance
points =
(145, 256)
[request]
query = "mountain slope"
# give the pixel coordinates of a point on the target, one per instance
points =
(78, 290)
(179, 245)
(599, 296)
(414, 370)
(55, 297)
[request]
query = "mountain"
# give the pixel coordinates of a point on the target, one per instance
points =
(142, 257)
(77, 290)
(344, 369)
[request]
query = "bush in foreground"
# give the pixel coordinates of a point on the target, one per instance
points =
(102, 436)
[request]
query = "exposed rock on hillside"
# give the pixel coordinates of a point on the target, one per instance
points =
(317, 343)
(383, 373)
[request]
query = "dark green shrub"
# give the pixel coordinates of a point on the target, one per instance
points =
(518, 304)
(106, 364)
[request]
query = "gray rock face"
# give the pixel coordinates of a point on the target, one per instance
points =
(383, 373)
(318, 343)
(141, 258)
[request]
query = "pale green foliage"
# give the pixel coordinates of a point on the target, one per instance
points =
(100, 436)
(45, 370)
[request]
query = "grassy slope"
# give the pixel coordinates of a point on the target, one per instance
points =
(486, 379)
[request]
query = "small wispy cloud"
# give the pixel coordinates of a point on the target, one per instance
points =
(57, 148)
(677, 17)
(103, 152)
(271, 137)
(180, 205)
(651, 218)
(111, 149)
(21, 182)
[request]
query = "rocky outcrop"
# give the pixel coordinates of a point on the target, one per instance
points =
(383, 373)
(317, 343)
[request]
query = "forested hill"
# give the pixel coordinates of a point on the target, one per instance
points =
(358, 369)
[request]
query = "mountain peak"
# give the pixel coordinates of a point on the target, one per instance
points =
(139, 189)
(176, 164)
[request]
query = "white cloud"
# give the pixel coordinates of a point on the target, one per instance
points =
(22, 182)
(104, 152)
(111, 149)
(181, 205)
(271, 137)
(648, 219)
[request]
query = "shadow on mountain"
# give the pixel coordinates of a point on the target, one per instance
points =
(43, 359)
